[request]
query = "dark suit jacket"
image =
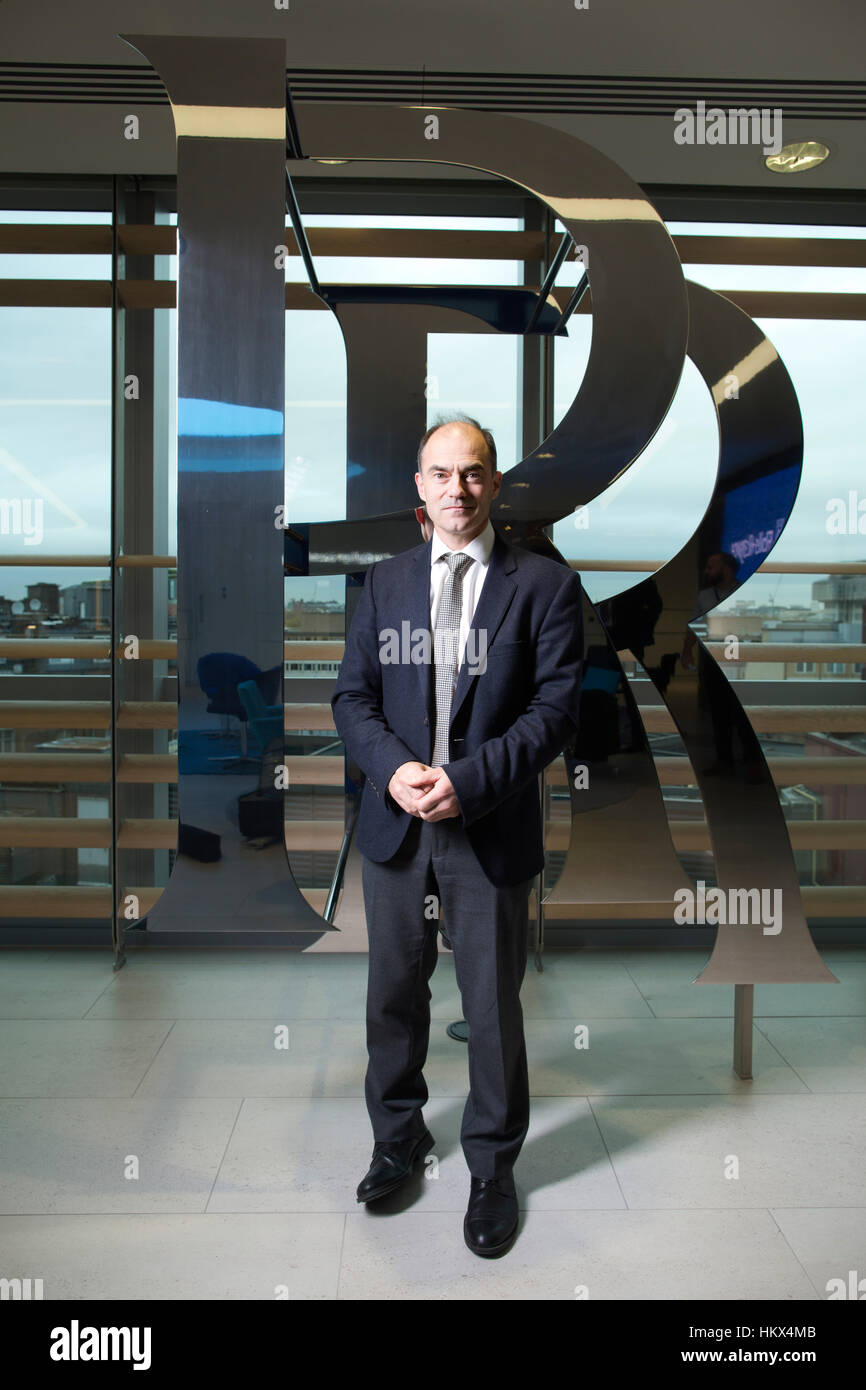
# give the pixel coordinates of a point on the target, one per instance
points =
(507, 722)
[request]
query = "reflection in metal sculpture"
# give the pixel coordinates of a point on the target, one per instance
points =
(386, 405)
(639, 332)
(760, 461)
(620, 847)
(639, 310)
(630, 262)
(573, 465)
(597, 439)
(231, 873)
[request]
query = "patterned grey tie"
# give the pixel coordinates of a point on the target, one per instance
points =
(446, 642)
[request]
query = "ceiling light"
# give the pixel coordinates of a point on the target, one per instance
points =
(796, 158)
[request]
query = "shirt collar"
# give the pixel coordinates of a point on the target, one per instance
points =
(480, 549)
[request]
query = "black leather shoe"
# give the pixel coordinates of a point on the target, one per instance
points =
(491, 1217)
(391, 1165)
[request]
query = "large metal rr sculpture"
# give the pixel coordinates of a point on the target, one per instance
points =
(230, 201)
(229, 107)
(628, 854)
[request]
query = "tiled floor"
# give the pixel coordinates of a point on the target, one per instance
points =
(194, 1127)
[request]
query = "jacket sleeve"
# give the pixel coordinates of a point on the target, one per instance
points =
(357, 701)
(504, 765)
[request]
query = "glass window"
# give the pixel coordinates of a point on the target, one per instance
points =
(52, 266)
(55, 446)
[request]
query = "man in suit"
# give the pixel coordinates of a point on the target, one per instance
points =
(460, 682)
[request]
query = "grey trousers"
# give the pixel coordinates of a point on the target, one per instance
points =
(487, 928)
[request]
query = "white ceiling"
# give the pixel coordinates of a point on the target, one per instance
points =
(695, 41)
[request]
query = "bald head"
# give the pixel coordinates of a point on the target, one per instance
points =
(482, 438)
(457, 479)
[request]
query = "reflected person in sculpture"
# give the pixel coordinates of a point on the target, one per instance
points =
(452, 725)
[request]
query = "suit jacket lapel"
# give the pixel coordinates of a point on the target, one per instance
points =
(496, 595)
(418, 602)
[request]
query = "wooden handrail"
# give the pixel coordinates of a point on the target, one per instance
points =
(57, 714)
(26, 557)
(146, 239)
(147, 714)
(89, 648)
(328, 649)
(836, 901)
(777, 719)
(57, 767)
(320, 836)
(58, 832)
(318, 717)
(306, 770)
(772, 653)
(79, 901)
(141, 768)
(162, 294)
(786, 772)
(588, 566)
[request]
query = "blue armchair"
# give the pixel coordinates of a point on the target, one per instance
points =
(266, 721)
(220, 674)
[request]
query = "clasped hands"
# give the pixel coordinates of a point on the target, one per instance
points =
(424, 791)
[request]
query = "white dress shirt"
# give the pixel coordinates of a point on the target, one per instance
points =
(474, 575)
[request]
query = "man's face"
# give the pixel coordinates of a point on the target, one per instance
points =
(456, 484)
(714, 570)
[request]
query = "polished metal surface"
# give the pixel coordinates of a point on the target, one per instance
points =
(760, 461)
(595, 441)
(638, 347)
(639, 309)
(640, 327)
(630, 262)
(507, 308)
(620, 847)
(386, 402)
(228, 102)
